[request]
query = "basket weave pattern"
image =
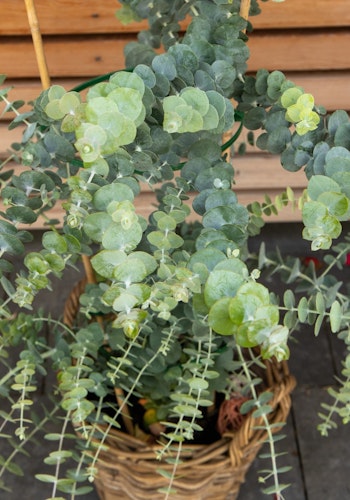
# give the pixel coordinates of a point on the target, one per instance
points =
(128, 470)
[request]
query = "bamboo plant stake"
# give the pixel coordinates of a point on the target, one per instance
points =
(244, 11)
(38, 43)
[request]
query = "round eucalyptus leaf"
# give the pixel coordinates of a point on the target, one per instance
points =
(209, 257)
(218, 101)
(162, 86)
(164, 64)
(274, 84)
(252, 288)
(224, 72)
(54, 242)
(220, 284)
(269, 313)
(255, 118)
(219, 319)
(290, 96)
(55, 92)
(104, 262)
(21, 214)
(129, 101)
(14, 196)
(342, 136)
(247, 333)
(56, 262)
(278, 139)
(146, 74)
(219, 198)
(199, 202)
(132, 271)
(236, 310)
(125, 302)
(7, 228)
(69, 102)
(131, 80)
(36, 263)
(184, 56)
(229, 116)
(10, 244)
(233, 265)
(175, 240)
(161, 140)
(337, 159)
(192, 168)
(159, 240)
(96, 224)
(205, 149)
(208, 237)
(116, 191)
(319, 184)
(261, 81)
(120, 128)
(337, 119)
(343, 179)
(117, 238)
(148, 260)
(98, 106)
(196, 98)
(98, 90)
(204, 81)
(219, 176)
(53, 110)
(141, 291)
(220, 216)
(211, 119)
(337, 204)
(166, 223)
(31, 180)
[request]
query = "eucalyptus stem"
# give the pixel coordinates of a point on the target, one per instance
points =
(19, 446)
(7, 160)
(267, 426)
(59, 449)
(126, 399)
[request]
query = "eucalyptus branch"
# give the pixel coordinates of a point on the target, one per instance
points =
(29, 436)
(112, 421)
(263, 414)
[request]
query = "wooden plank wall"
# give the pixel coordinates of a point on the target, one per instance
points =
(307, 39)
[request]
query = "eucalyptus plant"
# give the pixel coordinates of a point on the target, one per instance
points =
(178, 301)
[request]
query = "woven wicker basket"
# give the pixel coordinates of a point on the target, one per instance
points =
(128, 470)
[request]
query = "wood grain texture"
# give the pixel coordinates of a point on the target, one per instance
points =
(303, 14)
(86, 56)
(96, 16)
